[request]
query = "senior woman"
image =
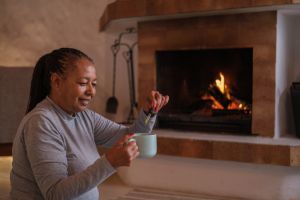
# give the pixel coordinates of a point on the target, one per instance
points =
(54, 151)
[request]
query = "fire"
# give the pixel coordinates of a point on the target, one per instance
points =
(221, 83)
(220, 96)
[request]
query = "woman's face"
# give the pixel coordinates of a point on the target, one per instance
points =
(78, 86)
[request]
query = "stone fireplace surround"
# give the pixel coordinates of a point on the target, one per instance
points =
(251, 30)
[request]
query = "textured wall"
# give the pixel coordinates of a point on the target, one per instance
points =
(31, 28)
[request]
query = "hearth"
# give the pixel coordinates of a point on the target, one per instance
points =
(210, 89)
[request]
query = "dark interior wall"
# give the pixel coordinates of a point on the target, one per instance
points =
(15, 83)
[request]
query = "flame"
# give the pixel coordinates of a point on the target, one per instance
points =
(220, 84)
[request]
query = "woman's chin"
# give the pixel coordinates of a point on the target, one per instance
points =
(81, 108)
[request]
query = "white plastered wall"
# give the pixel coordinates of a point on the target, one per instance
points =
(287, 69)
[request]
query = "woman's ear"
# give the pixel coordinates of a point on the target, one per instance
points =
(55, 80)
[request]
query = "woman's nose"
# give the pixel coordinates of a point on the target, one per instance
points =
(91, 90)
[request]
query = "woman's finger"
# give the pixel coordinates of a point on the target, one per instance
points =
(166, 100)
(124, 139)
(163, 102)
(158, 102)
(153, 98)
(131, 150)
(135, 155)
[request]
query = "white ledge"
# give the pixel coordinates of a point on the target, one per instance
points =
(170, 133)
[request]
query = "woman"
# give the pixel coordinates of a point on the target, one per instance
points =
(54, 151)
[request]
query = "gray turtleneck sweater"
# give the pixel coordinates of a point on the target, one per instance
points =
(55, 154)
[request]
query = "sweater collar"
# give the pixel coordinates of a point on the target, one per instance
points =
(63, 113)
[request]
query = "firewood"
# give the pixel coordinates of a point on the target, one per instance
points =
(219, 96)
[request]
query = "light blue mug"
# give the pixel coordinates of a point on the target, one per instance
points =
(147, 144)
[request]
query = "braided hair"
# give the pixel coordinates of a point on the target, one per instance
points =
(55, 62)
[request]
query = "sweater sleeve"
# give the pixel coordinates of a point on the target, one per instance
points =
(107, 132)
(46, 152)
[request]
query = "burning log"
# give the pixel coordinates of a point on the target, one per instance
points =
(220, 97)
(219, 93)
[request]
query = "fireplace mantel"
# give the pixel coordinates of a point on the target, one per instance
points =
(143, 10)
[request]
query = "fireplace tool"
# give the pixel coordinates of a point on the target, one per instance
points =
(112, 102)
(128, 55)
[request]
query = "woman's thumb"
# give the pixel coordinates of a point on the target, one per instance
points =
(125, 139)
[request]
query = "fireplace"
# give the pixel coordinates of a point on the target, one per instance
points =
(244, 45)
(211, 89)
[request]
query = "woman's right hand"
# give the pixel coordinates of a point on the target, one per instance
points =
(123, 152)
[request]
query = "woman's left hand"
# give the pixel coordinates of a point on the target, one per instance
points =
(155, 101)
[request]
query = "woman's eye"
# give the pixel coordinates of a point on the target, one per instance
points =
(94, 84)
(82, 84)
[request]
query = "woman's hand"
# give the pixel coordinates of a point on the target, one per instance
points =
(155, 101)
(123, 152)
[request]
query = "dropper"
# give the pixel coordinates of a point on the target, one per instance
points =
(151, 112)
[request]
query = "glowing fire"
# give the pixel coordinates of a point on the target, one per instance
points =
(219, 95)
(221, 83)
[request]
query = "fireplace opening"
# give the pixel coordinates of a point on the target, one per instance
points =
(210, 89)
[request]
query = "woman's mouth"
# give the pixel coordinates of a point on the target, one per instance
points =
(84, 102)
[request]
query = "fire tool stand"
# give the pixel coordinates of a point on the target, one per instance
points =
(128, 56)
